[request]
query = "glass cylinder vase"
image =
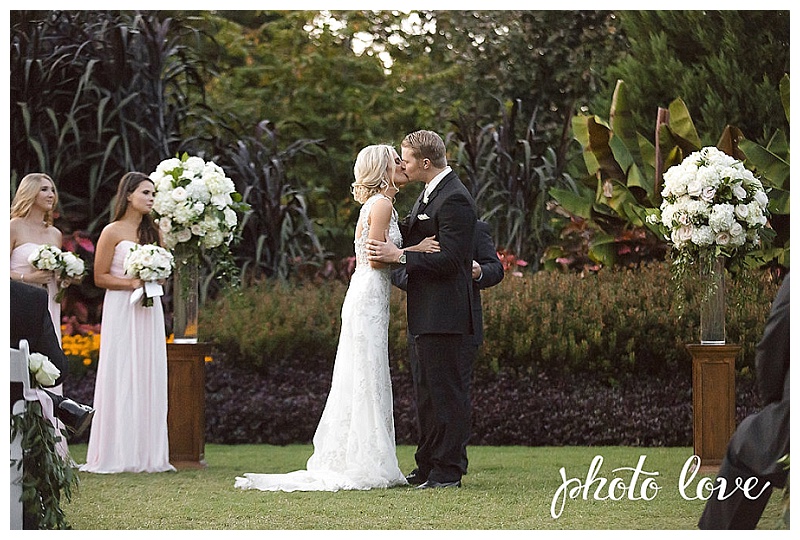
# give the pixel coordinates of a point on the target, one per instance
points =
(712, 303)
(185, 295)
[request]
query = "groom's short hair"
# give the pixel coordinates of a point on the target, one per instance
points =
(427, 144)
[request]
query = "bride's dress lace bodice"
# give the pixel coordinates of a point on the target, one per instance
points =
(354, 445)
(363, 226)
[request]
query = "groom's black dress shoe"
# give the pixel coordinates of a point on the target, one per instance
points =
(433, 484)
(416, 478)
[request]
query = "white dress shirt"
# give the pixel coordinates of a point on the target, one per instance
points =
(435, 182)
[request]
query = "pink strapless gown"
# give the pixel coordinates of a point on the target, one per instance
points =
(129, 430)
(19, 263)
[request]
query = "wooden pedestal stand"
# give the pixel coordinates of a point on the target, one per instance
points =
(713, 400)
(186, 416)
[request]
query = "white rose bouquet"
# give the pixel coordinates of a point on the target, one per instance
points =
(71, 269)
(46, 257)
(150, 263)
(42, 369)
(195, 203)
(712, 206)
(67, 266)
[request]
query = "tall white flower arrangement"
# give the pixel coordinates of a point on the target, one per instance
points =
(712, 206)
(195, 203)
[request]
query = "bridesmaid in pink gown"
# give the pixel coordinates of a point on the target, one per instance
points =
(129, 430)
(31, 226)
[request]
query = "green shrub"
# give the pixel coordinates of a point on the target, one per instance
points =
(609, 325)
(612, 323)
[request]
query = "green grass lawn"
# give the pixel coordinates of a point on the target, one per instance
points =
(507, 488)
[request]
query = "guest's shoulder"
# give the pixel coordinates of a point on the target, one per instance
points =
(27, 293)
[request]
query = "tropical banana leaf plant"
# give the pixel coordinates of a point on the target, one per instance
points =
(624, 180)
(771, 164)
(619, 187)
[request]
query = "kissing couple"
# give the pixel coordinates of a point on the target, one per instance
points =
(432, 259)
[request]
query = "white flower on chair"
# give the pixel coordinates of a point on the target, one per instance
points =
(43, 370)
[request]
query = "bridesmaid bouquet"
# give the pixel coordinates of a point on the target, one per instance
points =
(150, 263)
(72, 269)
(46, 257)
(67, 266)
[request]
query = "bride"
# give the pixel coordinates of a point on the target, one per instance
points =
(354, 445)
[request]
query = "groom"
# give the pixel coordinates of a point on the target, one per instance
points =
(439, 297)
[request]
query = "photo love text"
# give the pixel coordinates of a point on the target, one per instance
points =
(643, 485)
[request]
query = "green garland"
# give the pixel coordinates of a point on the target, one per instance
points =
(45, 474)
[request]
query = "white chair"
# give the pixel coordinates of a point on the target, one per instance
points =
(20, 374)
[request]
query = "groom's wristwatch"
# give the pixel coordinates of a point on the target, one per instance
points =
(402, 259)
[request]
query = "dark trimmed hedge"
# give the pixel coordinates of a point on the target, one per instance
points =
(284, 406)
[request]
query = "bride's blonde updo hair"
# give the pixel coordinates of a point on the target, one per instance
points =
(371, 171)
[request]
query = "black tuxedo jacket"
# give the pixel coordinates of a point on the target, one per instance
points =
(439, 292)
(492, 273)
(30, 320)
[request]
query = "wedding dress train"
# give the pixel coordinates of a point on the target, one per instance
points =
(354, 444)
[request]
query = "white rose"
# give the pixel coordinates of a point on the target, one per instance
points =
(230, 218)
(723, 238)
(739, 192)
(761, 198)
(742, 211)
(681, 236)
(35, 361)
(73, 265)
(708, 193)
(44, 371)
(221, 200)
(694, 188)
(183, 236)
(179, 194)
(165, 224)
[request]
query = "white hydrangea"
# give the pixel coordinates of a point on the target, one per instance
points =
(721, 217)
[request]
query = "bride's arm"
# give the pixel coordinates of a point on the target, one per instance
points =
(428, 245)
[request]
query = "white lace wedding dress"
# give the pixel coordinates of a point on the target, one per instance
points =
(354, 445)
